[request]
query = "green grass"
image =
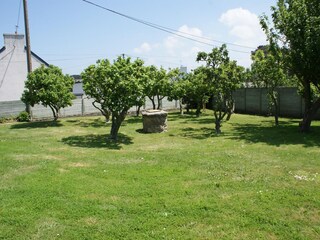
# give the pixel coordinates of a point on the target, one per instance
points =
(65, 180)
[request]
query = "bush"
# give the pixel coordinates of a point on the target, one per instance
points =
(23, 117)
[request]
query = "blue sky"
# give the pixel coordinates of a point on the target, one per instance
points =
(73, 34)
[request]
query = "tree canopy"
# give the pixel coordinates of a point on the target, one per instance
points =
(157, 85)
(267, 71)
(223, 77)
(297, 31)
(116, 87)
(50, 87)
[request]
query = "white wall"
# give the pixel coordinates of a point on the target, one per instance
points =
(13, 67)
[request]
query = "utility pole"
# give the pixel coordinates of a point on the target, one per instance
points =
(26, 27)
(29, 63)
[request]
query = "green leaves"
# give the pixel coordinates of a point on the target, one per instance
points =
(116, 87)
(296, 30)
(221, 76)
(50, 87)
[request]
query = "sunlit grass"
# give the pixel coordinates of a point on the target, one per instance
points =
(66, 180)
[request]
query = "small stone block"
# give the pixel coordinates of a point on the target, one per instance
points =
(154, 121)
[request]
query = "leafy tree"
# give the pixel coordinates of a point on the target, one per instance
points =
(116, 87)
(199, 88)
(178, 88)
(296, 30)
(157, 86)
(224, 76)
(50, 87)
(267, 71)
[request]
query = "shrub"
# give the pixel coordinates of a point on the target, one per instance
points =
(23, 117)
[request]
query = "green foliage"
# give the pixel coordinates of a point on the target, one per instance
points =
(178, 86)
(267, 71)
(297, 30)
(23, 117)
(116, 87)
(157, 85)
(223, 77)
(50, 87)
(199, 88)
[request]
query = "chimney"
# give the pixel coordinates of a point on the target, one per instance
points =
(11, 40)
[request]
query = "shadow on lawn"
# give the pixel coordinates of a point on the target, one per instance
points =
(198, 133)
(42, 124)
(287, 133)
(97, 141)
(95, 123)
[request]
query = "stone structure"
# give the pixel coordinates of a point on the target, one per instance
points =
(154, 121)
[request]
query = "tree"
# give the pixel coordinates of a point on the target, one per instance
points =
(178, 88)
(50, 87)
(296, 30)
(116, 87)
(224, 76)
(199, 88)
(157, 86)
(267, 71)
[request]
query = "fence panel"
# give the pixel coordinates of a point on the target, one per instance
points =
(255, 101)
(249, 100)
(11, 108)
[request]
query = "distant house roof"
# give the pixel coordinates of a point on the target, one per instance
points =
(77, 78)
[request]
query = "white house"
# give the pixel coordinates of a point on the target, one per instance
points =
(13, 67)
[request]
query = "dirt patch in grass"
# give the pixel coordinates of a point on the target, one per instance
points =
(79, 165)
(14, 173)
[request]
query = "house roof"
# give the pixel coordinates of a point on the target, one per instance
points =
(32, 53)
(37, 57)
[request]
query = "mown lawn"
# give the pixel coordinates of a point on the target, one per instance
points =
(66, 181)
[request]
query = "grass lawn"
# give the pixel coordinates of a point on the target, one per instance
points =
(65, 181)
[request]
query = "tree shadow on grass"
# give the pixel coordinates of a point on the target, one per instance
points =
(191, 118)
(132, 120)
(95, 123)
(42, 124)
(198, 133)
(98, 141)
(286, 133)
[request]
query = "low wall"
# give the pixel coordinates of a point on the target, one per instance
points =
(80, 107)
(255, 101)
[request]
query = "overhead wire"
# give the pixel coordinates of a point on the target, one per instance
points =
(18, 21)
(170, 30)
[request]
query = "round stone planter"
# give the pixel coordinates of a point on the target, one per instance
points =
(154, 121)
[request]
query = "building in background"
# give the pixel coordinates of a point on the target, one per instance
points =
(13, 67)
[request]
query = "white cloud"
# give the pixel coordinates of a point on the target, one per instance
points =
(173, 51)
(144, 48)
(244, 26)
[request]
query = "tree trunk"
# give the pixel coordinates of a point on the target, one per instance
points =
(219, 116)
(159, 102)
(105, 112)
(230, 110)
(218, 126)
(309, 115)
(55, 113)
(180, 106)
(276, 109)
(198, 111)
(138, 111)
(153, 103)
(117, 119)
